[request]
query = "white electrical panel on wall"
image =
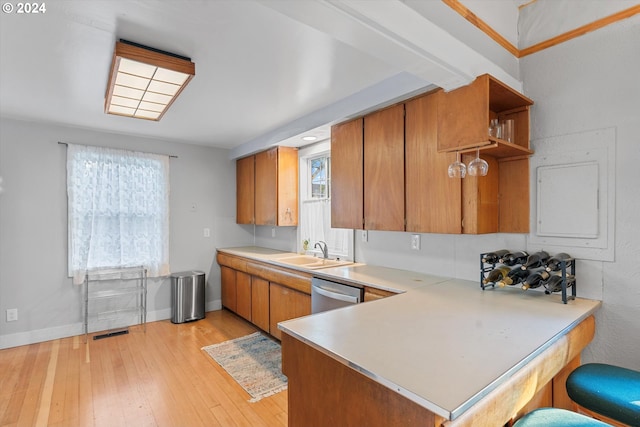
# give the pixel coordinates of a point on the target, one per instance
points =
(573, 209)
(567, 198)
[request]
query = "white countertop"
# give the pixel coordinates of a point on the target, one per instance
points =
(443, 345)
(256, 252)
(389, 279)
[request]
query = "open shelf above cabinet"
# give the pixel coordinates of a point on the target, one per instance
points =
(464, 116)
(499, 148)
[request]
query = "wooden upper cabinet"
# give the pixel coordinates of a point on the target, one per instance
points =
(384, 169)
(266, 187)
(287, 186)
(347, 175)
(433, 200)
(270, 195)
(513, 194)
(464, 115)
(245, 180)
(480, 199)
(390, 167)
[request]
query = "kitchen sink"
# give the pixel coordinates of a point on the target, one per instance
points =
(311, 262)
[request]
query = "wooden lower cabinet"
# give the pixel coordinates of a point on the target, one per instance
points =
(324, 392)
(243, 295)
(286, 304)
(373, 294)
(262, 293)
(228, 288)
(260, 303)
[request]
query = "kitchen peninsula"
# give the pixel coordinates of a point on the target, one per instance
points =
(441, 352)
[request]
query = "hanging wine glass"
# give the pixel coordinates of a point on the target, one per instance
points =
(478, 166)
(457, 169)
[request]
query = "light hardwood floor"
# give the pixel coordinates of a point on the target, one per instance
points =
(160, 377)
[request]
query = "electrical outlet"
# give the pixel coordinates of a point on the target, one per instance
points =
(12, 314)
(415, 242)
(207, 232)
(365, 235)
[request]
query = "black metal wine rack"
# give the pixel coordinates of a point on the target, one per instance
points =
(486, 267)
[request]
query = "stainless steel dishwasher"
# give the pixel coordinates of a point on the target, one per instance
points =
(327, 295)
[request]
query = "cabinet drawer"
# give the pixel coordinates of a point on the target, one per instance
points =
(373, 294)
(234, 262)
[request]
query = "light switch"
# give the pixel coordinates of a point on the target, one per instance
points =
(207, 232)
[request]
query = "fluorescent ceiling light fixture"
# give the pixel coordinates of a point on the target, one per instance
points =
(309, 138)
(144, 81)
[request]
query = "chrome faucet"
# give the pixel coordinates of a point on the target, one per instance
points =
(323, 248)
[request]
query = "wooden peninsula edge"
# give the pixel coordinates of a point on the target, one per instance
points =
(324, 391)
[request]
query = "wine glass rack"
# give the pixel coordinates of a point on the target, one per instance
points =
(567, 267)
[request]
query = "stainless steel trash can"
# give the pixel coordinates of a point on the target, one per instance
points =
(187, 296)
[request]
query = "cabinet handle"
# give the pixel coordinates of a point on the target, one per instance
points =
(336, 295)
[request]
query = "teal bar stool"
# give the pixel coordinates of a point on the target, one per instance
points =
(553, 417)
(607, 390)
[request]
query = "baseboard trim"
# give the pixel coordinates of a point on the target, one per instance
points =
(65, 331)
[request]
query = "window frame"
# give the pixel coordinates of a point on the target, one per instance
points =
(93, 157)
(309, 195)
(305, 154)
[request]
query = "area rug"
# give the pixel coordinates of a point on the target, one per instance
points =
(254, 361)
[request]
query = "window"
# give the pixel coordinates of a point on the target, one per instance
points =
(118, 210)
(319, 178)
(315, 204)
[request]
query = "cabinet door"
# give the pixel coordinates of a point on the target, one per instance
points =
(433, 200)
(463, 116)
(514, 196)
(286, 304)
(266, 181)
(228, 288)
(347, 174)
(243, 295)
(245, 190)
(374, 294)
(480, 199)
(260, 303)
(287, 186)
(384, 169)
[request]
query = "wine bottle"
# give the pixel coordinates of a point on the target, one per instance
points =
(553, 263)
(516, 275)
(554, 283)
(493, 257)
(496, 274)
(535, 260)
(514, 258)
(535, 279)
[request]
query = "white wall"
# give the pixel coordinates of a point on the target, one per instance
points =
(586, 84)
(33, 225)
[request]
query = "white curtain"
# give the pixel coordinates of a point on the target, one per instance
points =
(315, 225)
(118, 210)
